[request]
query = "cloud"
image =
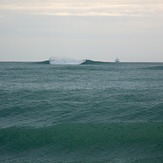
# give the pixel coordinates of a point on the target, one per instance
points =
(84, 8)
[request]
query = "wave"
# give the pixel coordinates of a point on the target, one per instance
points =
(155, 68)
(83, 136)
(64, 61)
(137, 142)
(44, 62)
(94, 62)
(60, 61)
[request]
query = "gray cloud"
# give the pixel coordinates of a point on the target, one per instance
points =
(85, 8)
(129, 30)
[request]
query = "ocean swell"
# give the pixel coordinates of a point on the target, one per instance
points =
(81, 136)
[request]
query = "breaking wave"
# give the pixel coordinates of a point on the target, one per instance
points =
(61, 61)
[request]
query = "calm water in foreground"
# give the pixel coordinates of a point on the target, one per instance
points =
(81, 113)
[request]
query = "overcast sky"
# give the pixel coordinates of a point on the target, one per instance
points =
(32, 30)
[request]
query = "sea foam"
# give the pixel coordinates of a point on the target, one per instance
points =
(65, 61)
(68, 61)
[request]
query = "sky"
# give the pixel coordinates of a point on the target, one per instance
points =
(34, 30)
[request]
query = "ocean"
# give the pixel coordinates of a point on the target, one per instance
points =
(93, 112)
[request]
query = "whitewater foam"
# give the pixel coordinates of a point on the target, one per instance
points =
(65, 61)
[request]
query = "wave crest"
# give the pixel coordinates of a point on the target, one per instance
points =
(65, 61)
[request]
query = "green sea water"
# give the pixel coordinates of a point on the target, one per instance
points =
(81, 113)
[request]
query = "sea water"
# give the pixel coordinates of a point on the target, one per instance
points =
(81, 113)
